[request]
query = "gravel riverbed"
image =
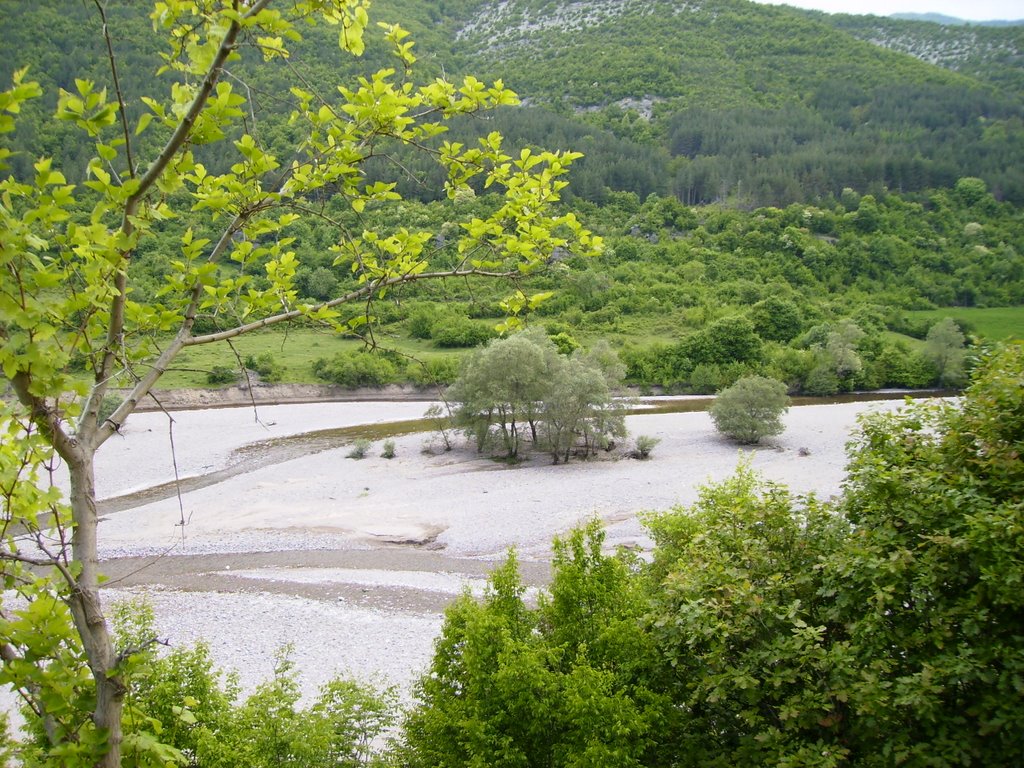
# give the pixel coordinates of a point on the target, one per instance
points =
(351, 562)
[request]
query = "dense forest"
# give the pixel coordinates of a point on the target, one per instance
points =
(730, 101)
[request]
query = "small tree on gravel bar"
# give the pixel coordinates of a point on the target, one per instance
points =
(66, 256)
(751, 409)
(522, 381)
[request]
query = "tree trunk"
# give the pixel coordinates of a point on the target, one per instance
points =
(87, 612)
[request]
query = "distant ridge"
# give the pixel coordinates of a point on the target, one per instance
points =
(953, 21)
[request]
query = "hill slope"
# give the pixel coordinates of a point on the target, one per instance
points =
(704, 53)
(757, 104)
(712, 100)
(993, 54)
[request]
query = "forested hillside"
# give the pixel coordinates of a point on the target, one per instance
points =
(756, 105)
(993, 54)
(713, 101)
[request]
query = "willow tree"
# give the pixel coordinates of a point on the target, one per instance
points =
(66, 294)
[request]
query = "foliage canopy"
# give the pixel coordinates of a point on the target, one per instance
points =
(879, 628)
(523, 381)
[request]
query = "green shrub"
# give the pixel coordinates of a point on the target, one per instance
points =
(821, 381)
(565, 343)
(318, 284)
(751, 409)
(198, 714)
(776, 319)
(644, 445)
(436, 370)
(453, 332)
(421, 321)
(359, 449)
(266, 366)
(388, 450)
(705, 379)
(221, 374)
(729, 340)
(356, 369)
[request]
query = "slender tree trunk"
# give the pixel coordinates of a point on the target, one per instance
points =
(87, 611)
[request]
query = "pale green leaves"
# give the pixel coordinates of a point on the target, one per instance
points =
(524, 233)
(10, 105)
(11, 100)
(402, 49)
(25, 497)
(256, 162)
(383, 259)
(220, 111)
(517, 306)
(32, 296)
(52, 665)
(89, 109)
(353, 24)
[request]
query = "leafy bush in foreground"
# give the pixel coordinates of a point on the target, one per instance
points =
(202, 720)
(879, 629)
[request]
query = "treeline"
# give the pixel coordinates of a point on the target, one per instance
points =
(694, 297)
(902, 138)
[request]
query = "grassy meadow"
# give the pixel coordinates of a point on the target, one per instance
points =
(991, 323)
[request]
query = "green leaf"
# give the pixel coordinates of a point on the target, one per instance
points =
(144, 120)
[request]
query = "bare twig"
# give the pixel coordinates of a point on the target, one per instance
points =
(122, 106)
(132, 650)
(248, 382)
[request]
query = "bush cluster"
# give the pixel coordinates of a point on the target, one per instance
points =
(266, 366)
(522, 389)
(378, 368)
(447, 328)
(751, 409)
(221, 374)
(357, 369)
(826, 359)
(454, 332)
